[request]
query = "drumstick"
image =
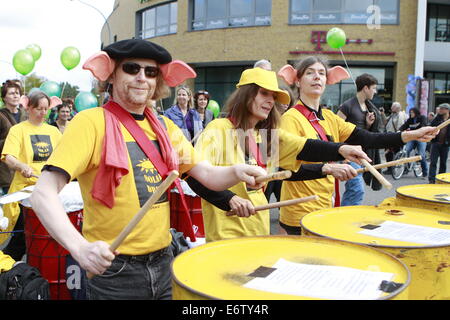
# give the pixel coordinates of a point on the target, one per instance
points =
(443, 124)
(141, 213)
(376, 174)
(274, 176)
(280, 204)
(392, 163)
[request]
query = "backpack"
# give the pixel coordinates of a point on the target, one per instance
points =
(23, 282)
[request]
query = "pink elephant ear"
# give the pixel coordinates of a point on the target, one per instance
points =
(24, 101)
(101, 65)
(54, 101)
(337, 74)
(288, 73)
(175, 72)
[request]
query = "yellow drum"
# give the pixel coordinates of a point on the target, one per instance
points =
(255, 268)
(419, 238)
(425, 196)
(443, 178)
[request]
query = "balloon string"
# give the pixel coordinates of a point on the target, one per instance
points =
(342, 53)
(62, 91)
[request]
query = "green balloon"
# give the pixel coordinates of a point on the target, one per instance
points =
(51, 88)
(85, 100)
(214, 107)
(35, 51)
(23, 62)
(70, 57)
(336, 38)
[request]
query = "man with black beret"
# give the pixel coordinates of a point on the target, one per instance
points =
(107, 150)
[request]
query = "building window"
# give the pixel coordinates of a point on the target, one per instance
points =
(336, 94)
(219, 81)
(215, 14)
(441, 82)
(158, 20)
(438, 22)
(343, 11)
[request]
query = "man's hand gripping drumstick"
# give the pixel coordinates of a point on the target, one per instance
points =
(141, 213)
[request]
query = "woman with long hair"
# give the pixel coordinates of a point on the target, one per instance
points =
(308, 119)
(250, 135)
(184, 114)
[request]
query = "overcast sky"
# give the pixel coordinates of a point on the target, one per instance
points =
(53, 25)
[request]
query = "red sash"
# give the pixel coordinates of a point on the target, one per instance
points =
(181, 223)
(314, 121)
(254, 149)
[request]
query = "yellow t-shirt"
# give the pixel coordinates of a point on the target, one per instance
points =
(6, 262)
(79, 154)
(338, 131)
(218, 144)
(32, 145)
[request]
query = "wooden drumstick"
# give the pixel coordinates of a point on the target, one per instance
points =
(280, 204)
(443, 124)
(274, 176)
(376, 174)
(391, 163)
(141, 213)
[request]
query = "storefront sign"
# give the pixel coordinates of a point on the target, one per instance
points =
(320, 37)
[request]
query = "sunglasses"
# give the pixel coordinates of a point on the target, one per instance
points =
(202, 92)
(134, 68)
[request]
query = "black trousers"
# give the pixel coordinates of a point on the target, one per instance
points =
(16, 247)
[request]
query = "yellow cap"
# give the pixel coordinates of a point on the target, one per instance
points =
(265, 79)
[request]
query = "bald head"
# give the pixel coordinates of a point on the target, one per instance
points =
(263, 64)
(396, 107)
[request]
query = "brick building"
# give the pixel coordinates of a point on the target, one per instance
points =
(220, 38)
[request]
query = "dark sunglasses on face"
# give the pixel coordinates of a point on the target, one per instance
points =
(134, 68)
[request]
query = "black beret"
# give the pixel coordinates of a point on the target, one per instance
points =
(137, 48)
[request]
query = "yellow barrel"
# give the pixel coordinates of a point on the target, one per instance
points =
(434, 197)
(443, 178)
(220, 269)
(427, 260)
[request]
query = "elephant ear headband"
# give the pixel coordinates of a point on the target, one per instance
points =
(174, 72)
(334, 75)
(25, 102)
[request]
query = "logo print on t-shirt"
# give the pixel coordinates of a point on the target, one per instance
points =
(146, 177)
(42, 147)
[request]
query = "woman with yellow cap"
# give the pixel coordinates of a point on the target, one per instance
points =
(250, 135)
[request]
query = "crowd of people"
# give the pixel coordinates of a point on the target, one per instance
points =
(122, 152)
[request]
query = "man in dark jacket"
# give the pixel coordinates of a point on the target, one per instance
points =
(417, 121)
(360, 111)
(440, 144)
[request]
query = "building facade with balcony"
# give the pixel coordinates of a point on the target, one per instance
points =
(221, 38)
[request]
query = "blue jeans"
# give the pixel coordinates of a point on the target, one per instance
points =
(354, 189)
(145, 277)
(421, 147)
(438, 152)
